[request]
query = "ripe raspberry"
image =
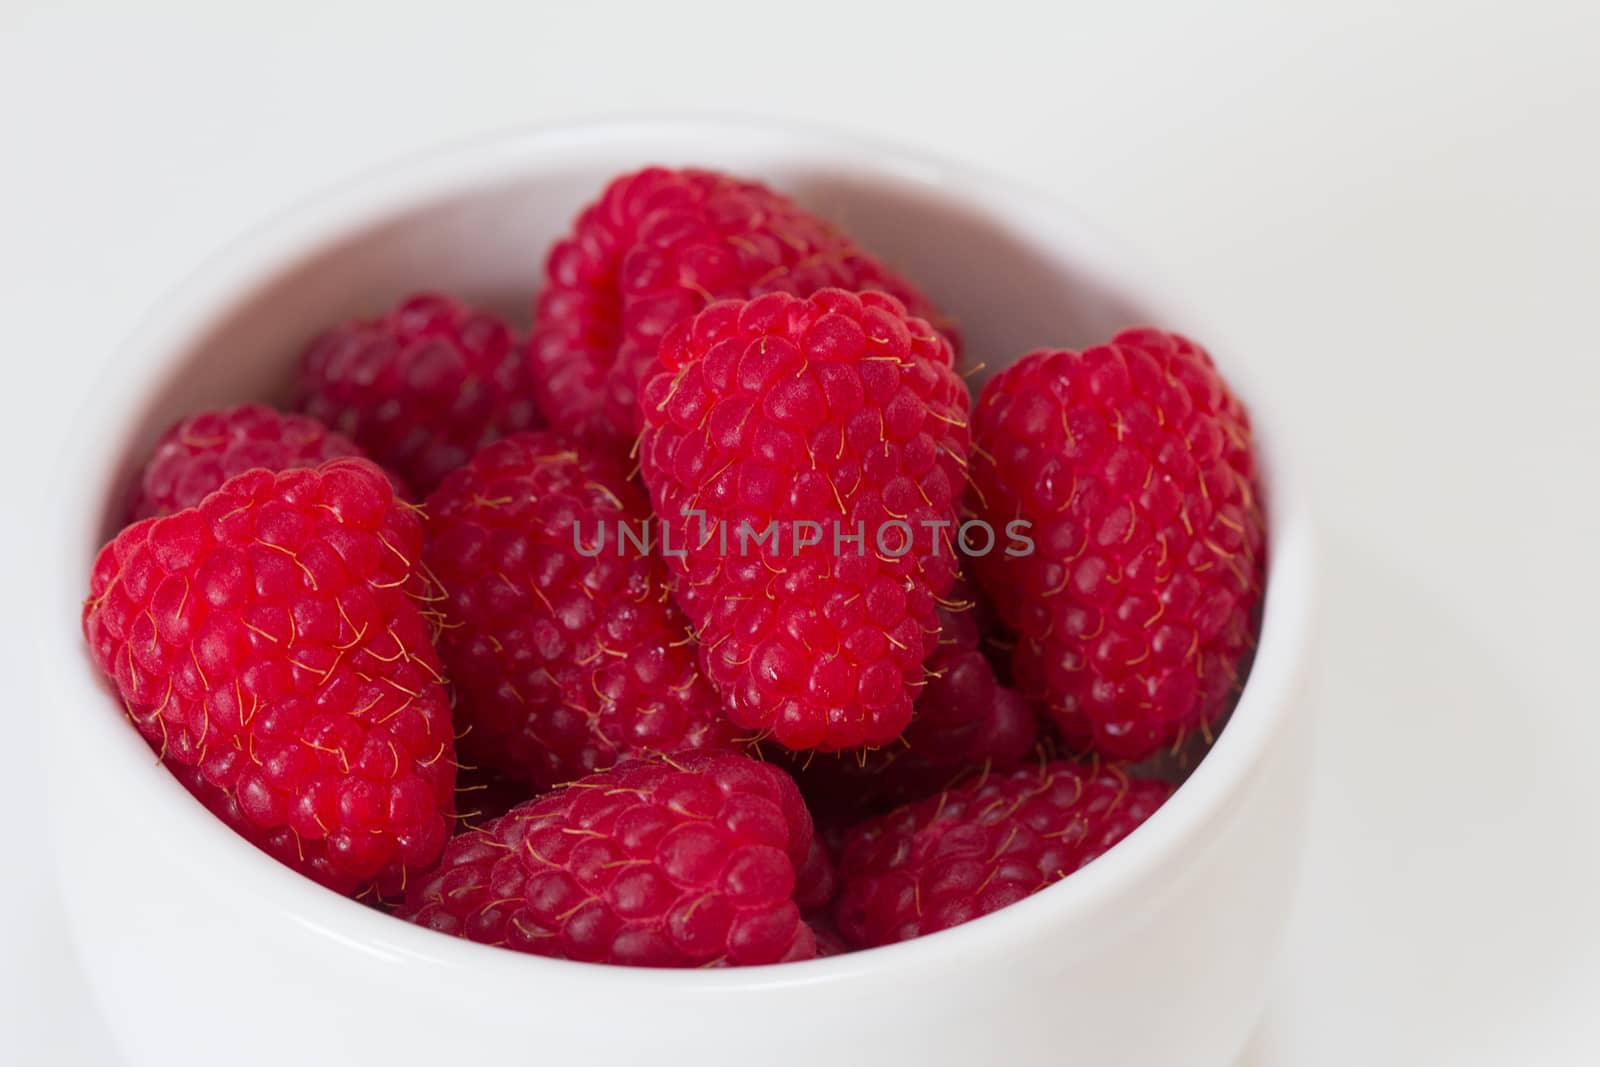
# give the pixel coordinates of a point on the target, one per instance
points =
(822, 419)
(421, 388)
(1132, 461)
(564, 648)
(816, 882)
(267, 644)
(976, 848)
(200, 452)
(964, 722)
(682, 862)
(658, 246)
(964, 716)
(829, 943)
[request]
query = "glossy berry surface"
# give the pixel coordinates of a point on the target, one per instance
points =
(565, 651)
(420, 388)
(200, 452)
(686, 862)
(778, 429)
(980, 846)
(655, 248)
(268, 645)
(1133, 462)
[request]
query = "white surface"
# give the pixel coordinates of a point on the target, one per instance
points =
(1401, 202)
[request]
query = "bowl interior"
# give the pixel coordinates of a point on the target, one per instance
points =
(484, 237)
(1015, 269)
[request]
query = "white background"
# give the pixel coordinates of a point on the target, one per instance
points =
(1399, 201)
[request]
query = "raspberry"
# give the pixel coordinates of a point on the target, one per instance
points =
(683, 862)
(656, 247)
(267, 644)
(816, 882)
(817, 419)
(198, 453)
(964, 722)
(562, 644)
(1132, 460)
(980, 846)
(964, 716)
(421, 388)
(826, 935)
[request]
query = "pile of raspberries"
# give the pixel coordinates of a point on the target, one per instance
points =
(711, 621)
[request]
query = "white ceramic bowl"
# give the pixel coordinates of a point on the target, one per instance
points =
(202, 950)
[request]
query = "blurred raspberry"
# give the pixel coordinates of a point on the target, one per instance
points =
(200, 452)
(686, 862)
(421, 388)
(816, 882)
(829, 943)
(976, 848)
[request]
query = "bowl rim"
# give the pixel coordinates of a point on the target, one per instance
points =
(234, 275)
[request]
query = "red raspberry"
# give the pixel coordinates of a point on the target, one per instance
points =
(964, 716)
(562, 643)
(682, 862)
(267, 644)
(1132, 461)
(976, 848)
(198, 453)
(829, 943)
(816, 882)
(421, 388)
(658, 246)
(836, 411)
(964, 722)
